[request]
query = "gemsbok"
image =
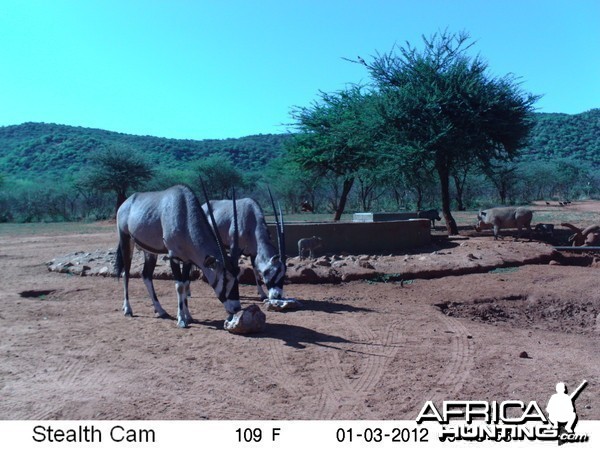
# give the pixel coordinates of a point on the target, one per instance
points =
(268, 262)
(172, 222)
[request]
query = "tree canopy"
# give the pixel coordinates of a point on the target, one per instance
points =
(336, 137)
(431, 114)
(442, 108)
(219, 175)
(117, 169)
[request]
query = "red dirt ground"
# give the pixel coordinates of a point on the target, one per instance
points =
(356, 350)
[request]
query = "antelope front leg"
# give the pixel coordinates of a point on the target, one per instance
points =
(127, 311)
(183, 314)
(149, 266)
(259, 288)
(182, 286)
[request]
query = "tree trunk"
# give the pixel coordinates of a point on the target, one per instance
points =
(503, 192)
(419, 197)
(445, 184)
(459, 185)
(348, 182)
(121, 197)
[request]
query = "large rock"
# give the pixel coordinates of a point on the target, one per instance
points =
(245, 321)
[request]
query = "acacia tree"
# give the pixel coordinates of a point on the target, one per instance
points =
(503, 176)
(291, 182)
(335, 136)
(117, 169)
(219, 175)
(445, 107)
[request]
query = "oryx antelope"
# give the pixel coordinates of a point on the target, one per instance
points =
(173, 222)
(268, 262)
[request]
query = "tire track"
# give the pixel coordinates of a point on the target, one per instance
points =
(371, 357)
(282, 376)
(452, 379)
(76, 368)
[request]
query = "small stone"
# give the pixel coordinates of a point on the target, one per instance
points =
(366, 265)
(524, 355)
(322, 261)
(282, 304)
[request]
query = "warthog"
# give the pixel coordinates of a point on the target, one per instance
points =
(507, 217)
(431, 214)
(310, 245)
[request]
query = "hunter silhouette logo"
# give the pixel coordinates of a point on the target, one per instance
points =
(561, 410)
(508, 420)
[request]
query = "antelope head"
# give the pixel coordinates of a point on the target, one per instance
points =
(226, 283)
(274, 275)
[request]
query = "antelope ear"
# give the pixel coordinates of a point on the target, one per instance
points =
(210, 262)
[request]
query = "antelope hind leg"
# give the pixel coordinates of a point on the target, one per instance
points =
(149, 266)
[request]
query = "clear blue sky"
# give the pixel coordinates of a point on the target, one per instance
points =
(202, 69)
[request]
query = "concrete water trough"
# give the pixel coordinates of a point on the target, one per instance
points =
(361, 237)
(383, 217)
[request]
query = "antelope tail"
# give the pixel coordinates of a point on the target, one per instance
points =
(119, 263)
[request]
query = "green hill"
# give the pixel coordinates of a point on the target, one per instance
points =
(41, 163)
(31, 150)
(565, 136)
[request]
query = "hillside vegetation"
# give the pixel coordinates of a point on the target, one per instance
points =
(41, 166)
(39, 149)
(565, 136)
(31, 150)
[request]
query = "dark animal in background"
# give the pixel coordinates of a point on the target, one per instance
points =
(545, 229)
(306, 207)
(431, 214)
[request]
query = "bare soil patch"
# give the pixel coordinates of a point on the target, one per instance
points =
(363, 345)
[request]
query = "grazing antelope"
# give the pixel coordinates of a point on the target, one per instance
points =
(173, 222)
(268, 262)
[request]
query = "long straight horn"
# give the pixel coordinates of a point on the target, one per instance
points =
(235, 249)
(280, 236)
(224, 258)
